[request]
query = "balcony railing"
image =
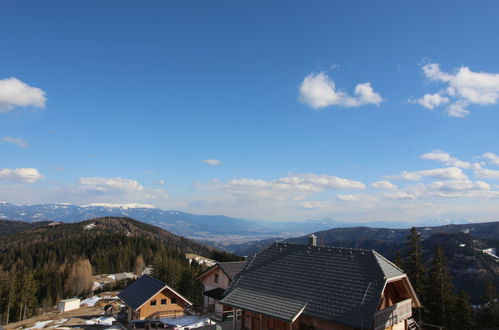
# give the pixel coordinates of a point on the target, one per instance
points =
(393, 314)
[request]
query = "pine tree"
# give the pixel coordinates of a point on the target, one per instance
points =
(439, 299)
(399, 260)
(414, 264)
(463, 313)
(489, 313)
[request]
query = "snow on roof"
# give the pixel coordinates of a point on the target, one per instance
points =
(40, 325)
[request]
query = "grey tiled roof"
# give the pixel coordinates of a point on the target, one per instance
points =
(137, 293)
(277, 306)
(217, 293)
(232, 268)
(336, 284)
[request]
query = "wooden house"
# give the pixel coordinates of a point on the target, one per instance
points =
(291, 286)
(215, 281)
(150, 298)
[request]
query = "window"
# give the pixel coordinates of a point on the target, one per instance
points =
(216, 278)
(173, 300)
(163, 301)
(153, 302)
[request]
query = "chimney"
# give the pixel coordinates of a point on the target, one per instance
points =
(312, 240)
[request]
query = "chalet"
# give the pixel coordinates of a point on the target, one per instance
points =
(149, 298)
(215, 281)
(291, 286)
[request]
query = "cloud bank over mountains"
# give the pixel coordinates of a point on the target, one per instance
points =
(457, 189)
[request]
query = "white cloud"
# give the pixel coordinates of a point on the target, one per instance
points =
(15, 93)
(463, 88)
(315, 204)
(447, 159)
(383, 184)
(459, 185)
(399, 195)
(319, 91)
(485, 173)
(17, 141)
(430, 101)
(213, 162)
(300, 182)
(492, 158)
(26, 175)
(109, 185)
(354, 197)
(161, 181)
(452, 173)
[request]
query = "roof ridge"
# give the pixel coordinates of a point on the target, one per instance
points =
(149, 277)
(377, 254)
(322, 246)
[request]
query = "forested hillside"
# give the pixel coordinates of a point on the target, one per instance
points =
(39, 266)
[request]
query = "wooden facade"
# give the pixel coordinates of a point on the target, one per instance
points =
(255, 321)
(164, 304)
(394, 310)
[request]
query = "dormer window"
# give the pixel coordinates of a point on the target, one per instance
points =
(216, 278)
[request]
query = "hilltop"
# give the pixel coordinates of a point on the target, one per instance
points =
(37, 260)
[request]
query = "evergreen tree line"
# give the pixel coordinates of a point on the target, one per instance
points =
(441, 305)
(36, 274)
(42, 266)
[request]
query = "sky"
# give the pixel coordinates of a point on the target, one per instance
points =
(275, 110)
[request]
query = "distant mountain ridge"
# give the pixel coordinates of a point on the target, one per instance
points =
(381, 239)
(208, 228)
(464, 245)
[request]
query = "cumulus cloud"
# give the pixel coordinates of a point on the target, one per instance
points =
(399, 195)
(24, 175)
(354, 197)
(447, 159)
(383, 184)
(463, 88)
(15, 93)
(213, 162)
(20, 142)
(103, 185)
(430, 101)
(459, 185)
(454, 173)
(300, 182)
(485, 173)
(491, 158)
(319, 91)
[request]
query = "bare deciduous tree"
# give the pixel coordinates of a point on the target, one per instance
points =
(139, 265)
(80, 279)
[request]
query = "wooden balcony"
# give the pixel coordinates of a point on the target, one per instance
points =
(393, 314)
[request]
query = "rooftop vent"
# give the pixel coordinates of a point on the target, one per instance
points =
(312, 240)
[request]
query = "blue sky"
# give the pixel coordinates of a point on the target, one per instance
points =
(281, 110)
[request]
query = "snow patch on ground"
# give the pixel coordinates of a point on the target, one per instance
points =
(189, 322)
(103, 320)
(89, 226)
(40, 325)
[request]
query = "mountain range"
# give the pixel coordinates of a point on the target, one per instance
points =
(212, 229)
